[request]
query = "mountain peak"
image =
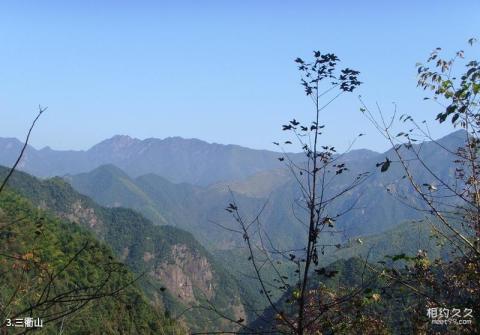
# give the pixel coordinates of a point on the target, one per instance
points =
(121, 139)
(115, 143)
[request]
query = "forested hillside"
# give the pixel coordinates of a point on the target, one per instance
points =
(63, 275)
(177, 273)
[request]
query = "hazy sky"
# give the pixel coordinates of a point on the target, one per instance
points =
(221, 71)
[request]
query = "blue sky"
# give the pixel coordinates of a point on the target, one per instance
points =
(221, 71)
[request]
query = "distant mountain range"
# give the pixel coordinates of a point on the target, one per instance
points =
(186, 183)
(200, 209)
(174, 158)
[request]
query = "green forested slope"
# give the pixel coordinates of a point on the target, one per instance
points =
(178, 273)
(40, 251)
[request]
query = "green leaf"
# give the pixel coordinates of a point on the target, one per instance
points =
(476, 88)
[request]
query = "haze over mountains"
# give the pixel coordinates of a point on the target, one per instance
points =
(187, 183)
(175, 158)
